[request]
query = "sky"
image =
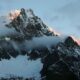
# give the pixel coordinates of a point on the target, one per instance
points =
(62, 15)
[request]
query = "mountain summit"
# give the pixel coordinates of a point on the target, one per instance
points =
(28, 24)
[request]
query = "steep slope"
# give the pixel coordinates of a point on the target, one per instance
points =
(29, 50)
(63, 63)
(28, 24)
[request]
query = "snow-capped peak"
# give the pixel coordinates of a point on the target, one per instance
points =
(27, 24)
(14, 14)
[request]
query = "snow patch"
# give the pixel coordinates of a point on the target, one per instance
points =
(21, 66)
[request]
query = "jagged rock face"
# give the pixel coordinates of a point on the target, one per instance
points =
(60, 62)
(29, 25)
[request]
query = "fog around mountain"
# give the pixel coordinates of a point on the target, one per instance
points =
(61, 15)
(34, 43)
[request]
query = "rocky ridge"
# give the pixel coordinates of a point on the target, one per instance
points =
(60, 62)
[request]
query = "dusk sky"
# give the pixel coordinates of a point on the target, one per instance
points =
(62, 15)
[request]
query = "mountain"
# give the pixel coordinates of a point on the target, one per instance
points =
(30, 50)
(28, 24)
